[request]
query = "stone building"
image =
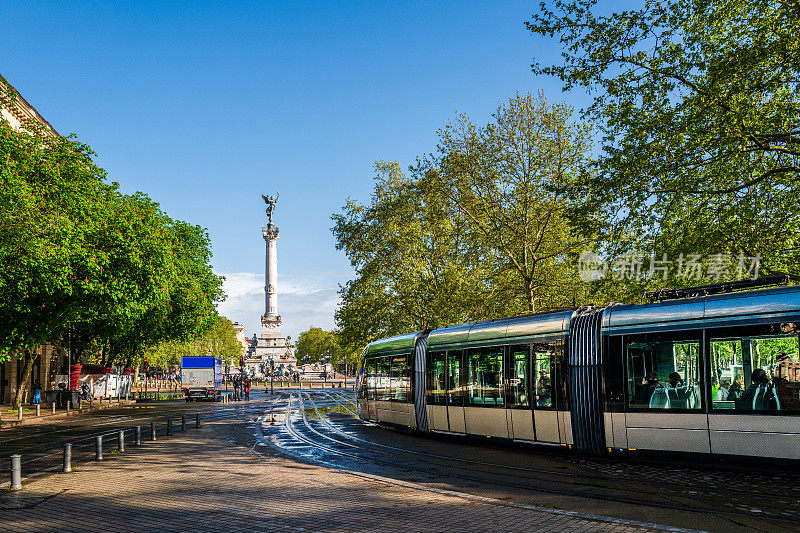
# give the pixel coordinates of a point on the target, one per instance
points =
(22, 116)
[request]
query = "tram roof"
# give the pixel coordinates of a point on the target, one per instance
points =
(715, 310)
(404, 342)
(549, 322)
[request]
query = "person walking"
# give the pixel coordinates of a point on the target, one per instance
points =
(37, 393)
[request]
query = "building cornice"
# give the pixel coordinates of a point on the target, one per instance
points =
(15, 104)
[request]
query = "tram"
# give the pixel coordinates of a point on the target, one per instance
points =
(709, 370)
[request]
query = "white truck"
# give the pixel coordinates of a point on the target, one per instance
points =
(201, 378)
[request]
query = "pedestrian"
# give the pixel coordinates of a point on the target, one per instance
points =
(37, 393)
(247, 390)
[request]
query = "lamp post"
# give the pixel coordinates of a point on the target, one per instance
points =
(271, 375)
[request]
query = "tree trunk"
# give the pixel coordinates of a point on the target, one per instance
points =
(22, 386)
(531, 297)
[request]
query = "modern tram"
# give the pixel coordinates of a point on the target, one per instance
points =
(698, 371)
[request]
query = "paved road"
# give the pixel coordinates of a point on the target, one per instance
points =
(319, 427)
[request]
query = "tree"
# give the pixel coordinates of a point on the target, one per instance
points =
(220, 341)
(478, 229)
(315, 343)
(415, 266)
(697, 106)
(100, 272)
(50, 193)
(511, 180)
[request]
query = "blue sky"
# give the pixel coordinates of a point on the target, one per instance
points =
(206, 105)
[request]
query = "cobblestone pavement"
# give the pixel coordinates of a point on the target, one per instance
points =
(202, 480)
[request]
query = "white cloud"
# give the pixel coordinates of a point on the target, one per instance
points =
(304, 300)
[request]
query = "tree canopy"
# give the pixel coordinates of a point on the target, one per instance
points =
(87, 267)
(477, 229)
(697, 104)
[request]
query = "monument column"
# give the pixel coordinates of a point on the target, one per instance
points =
(271, 351)
(270, 234)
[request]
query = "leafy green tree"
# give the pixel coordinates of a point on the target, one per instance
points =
(479, 229)
(697, 106)
(50, 194)
(315, 343)
(415, 267)
(87, 267)
(513, 181)
(220, 341)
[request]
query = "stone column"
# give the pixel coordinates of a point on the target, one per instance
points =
(270, 234)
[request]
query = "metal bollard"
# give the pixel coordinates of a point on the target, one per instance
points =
(19, 413)
(152, 431)
(121, 439)
(197, 421)
(38, 409)
(67, 457)
(137, 441)
(69, 404)
(98, 448)
(16, 472)
(169, 426)
(183, 422)
(53, 407)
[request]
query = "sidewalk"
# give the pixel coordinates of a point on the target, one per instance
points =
(10, 415)
(200, 481)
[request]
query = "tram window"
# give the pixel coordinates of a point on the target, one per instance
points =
(383, 388)
(485, 377)
(756, 368)
(372, 380)
(399, 378)
(663, 371)
(455, 378)
(518, 376)
(437, 390)
(544, 368)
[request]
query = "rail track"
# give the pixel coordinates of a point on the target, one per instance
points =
(311, 431)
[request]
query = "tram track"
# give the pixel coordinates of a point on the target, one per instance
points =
(319, 435)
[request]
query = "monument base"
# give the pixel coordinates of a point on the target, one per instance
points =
(270, 350)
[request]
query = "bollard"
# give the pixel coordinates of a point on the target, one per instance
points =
(152, 431)
(38, 409)
(67, 457)
(169, 426)
(183, 422)
(197, 421)
(69, 404)
(121, 439)
(16, 472)
(19, 413)
(137, 440)
(98, 448)
(53, 407)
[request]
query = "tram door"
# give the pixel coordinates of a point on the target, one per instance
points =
(544, 391)
(456, 387)
(519, 415)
